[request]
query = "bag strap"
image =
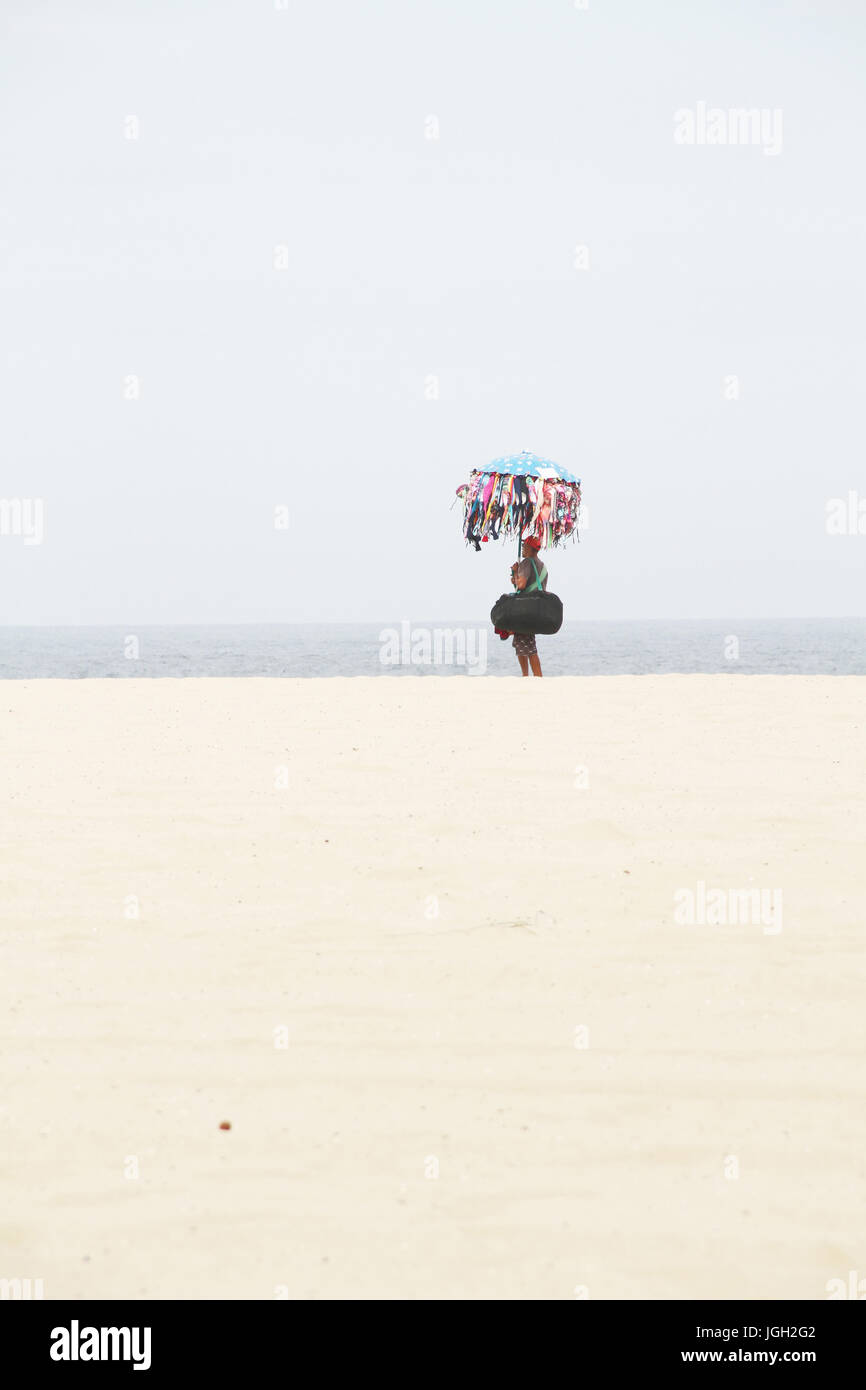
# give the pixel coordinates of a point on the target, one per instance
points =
(539, 577)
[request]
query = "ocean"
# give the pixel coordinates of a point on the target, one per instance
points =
(755, 647)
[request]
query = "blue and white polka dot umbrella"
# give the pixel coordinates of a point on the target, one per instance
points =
(528, 465)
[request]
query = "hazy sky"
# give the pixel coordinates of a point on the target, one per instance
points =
(238, 204)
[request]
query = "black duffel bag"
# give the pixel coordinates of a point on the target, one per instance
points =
(528, 611)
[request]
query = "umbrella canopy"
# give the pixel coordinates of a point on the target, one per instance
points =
(520, 495)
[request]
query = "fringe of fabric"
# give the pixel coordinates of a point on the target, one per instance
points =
(509, 504)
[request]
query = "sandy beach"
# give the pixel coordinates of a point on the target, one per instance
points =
(446, 956)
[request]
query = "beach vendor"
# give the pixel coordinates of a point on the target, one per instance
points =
(526, 573)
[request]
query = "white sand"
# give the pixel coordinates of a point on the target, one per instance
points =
(417, 1040)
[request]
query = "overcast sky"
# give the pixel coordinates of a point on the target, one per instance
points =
(325, 255)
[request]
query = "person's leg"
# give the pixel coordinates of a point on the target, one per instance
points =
(535, 664)
(524, 663)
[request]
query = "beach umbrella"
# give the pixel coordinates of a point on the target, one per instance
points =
(520, 495)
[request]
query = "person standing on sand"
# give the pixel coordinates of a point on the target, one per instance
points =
(524, 572)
